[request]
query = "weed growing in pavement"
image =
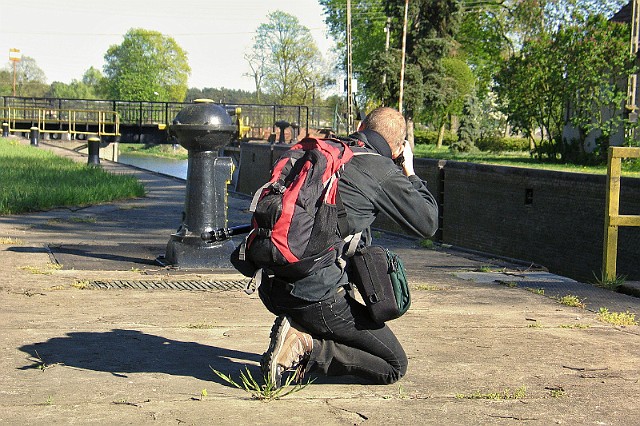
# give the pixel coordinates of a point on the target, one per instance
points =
(56, 287)
(617, 318)
(49, 400)
(37, 271)
(203, 394)
(484, 268)
(201, 326)
(267, 391)
(574, 326)
(539, 291)
(510, 284)
(506, 394)
(556, 392)
(604, 282)
(40, 364)
(11, 241)
(427, 243)
(81, 284)
(571, 300)
(535, 325)
(82, 220)
(428, 287)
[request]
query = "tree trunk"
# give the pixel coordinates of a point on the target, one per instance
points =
(410, 132)
(440, 135)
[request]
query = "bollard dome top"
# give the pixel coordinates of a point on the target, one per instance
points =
(203, 126)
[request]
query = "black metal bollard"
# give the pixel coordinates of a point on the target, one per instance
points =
(282, 125)
(34, 134)
(203, 128)
(5, 130)
(295, 132)
(93, 144)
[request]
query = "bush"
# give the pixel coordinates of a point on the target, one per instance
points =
(430, 137)
(499, 143)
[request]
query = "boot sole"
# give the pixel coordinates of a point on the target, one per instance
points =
(278, 333)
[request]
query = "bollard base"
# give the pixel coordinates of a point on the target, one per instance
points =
(190, 252)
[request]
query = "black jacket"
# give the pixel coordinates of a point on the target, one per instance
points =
(371, 184)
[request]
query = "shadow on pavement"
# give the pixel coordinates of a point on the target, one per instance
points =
(121, 352)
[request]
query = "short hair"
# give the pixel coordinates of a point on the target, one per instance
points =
(389, 123)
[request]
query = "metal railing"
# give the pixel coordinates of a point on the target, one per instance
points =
(70, 121)
(612, 218)
(260, 118)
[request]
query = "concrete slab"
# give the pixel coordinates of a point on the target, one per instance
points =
(481, 350)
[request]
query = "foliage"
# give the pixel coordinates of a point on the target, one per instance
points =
(617, 318)
(579, 66)
(40, 181)
(286, 61)
(222, 95)
(502, 143)
(265, 392)
(430, 137)
(30, 79)
(146, 66)
(431, 24)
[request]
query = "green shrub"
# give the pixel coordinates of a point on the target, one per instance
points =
(430, 137)
(500, 144)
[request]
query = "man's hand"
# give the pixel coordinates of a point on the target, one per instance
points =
(407, 166)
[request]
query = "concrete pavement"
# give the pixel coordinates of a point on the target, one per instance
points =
(93, 330)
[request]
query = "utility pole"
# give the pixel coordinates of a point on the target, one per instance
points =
(387, 29)
(633, 78)
(404, 50)
(349, 72)
(14, 56)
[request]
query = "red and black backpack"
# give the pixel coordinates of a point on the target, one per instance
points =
(295, 224)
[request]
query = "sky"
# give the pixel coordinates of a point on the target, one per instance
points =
(67, 37)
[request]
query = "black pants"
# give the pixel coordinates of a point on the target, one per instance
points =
(345, 339)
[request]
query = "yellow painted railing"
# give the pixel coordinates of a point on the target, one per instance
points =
(612, 218)
(75, 121)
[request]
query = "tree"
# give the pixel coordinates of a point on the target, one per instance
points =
(458, 83)
(30, 79)
(146, 66)
(431, 25)
(569, 77)
(90, 87)
(286, 60)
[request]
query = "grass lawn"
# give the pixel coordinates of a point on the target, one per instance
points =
(35, 180)
(162, 150)
(630, 168)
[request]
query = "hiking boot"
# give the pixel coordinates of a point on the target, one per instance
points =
(289, 349)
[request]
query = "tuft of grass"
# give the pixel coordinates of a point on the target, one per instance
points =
(56, 287)
(427, 243)
(11, 241)
(571, 300)
(81, 284)
(582, 326)
(506, 394)
(605, 282)
(37, 271)
(263, 392)
(201, 326)
(535, 325)
(556, 392)
(484, 268)
(428, 287)
(539, 291)
(617, 318)
(40, 181)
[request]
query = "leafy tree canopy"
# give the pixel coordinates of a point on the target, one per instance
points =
(146, 66)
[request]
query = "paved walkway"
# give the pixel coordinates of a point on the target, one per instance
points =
(94, 330)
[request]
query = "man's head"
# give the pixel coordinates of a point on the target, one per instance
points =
(390, 124)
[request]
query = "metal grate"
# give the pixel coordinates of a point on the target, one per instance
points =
(170, 285)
